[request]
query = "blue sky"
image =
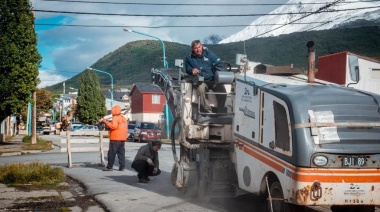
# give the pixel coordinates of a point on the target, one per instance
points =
(67, 51)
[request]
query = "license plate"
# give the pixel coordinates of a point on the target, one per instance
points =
(354, 161)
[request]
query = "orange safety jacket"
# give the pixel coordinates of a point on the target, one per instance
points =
(118, 126)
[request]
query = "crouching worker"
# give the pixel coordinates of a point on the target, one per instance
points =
(146, 161)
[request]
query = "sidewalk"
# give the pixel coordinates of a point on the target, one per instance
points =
(13, 146)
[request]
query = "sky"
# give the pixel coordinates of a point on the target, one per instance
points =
(68, 50)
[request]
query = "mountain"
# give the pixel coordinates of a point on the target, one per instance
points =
(133, 61)
(323, 16)
(130, 63)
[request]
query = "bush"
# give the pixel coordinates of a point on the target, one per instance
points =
(34, 173)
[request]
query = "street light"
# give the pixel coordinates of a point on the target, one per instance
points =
(165, 65)
(111, 81)
(162, 43)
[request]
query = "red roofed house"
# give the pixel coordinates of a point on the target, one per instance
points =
(147, 102)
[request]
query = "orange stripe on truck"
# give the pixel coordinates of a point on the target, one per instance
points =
(312, 174)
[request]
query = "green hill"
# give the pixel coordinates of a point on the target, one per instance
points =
(132, 62)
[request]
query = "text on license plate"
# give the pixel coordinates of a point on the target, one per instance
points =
(353, 161)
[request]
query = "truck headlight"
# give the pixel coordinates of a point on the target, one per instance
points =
(320, 160)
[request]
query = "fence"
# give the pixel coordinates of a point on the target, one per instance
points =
(85, 141)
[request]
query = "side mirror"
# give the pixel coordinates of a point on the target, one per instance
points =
(357, 73)
(354, 68)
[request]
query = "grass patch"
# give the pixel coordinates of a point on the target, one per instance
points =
(40, 145)
(34, 173)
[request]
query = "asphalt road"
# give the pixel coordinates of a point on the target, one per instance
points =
(120, 191)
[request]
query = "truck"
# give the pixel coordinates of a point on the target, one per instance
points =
(291, 139)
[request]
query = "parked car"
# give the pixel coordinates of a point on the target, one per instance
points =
(39, 129)
(146, 131)
(86, 128)
(76, 127)
(75, 124)
(131, 128)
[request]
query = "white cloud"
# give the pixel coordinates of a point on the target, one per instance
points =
(48, 78)
(71, 49)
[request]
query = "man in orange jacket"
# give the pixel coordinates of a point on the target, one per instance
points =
(118, 135)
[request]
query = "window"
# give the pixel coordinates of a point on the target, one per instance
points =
(281, 127)
(156, 99)
(375, 73)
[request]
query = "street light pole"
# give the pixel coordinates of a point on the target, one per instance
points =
(165, 65)
(111, 81)
(162, 43)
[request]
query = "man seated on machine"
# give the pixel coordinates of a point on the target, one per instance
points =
(200, 62)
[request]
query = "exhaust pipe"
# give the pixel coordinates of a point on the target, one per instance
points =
(311, 62)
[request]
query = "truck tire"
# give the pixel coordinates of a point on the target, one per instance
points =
(278, 205)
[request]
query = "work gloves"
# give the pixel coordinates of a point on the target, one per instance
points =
(155, 170)
(150, 162)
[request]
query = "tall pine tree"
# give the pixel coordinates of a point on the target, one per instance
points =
(19, 58)
(90, 102)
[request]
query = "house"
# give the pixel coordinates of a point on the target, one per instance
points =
(147, 102)
(66, 102)
(350, 69)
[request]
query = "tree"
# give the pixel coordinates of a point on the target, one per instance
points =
(90, 102)
(44, 101)
(19, 58)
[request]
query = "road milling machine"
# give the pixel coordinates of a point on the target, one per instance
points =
(294, 140)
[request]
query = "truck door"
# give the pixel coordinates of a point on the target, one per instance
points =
(246, 133)
(275, 127)
(261, 127)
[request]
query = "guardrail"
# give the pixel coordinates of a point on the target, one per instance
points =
(81, 140)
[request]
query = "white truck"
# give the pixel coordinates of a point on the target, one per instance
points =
(296, 143)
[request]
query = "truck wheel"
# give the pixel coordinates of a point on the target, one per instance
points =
(276, 193)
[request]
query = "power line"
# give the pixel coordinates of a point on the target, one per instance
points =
(200, 16)
(168, 26)
(194, 4)
(317, 11)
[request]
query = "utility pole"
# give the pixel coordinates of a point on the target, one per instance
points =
(34, 117)
(34, 110)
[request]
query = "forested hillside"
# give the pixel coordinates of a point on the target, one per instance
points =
(132, 62)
